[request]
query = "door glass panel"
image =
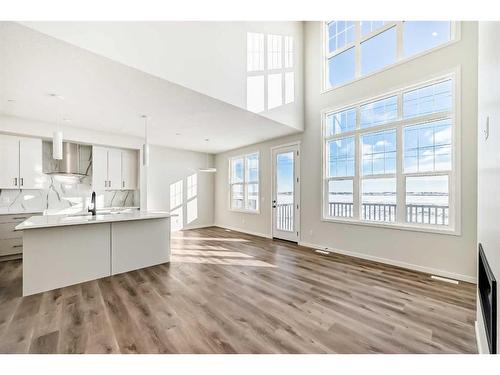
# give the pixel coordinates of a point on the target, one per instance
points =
(285, 191)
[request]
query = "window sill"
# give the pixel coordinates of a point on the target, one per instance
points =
(397, 226)
(243, 211)
(325, 89)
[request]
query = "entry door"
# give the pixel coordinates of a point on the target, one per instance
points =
(286, 193)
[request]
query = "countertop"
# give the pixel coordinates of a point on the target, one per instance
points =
(20, 213)
(49, 221)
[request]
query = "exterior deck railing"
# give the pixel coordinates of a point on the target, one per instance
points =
(415, 213)
(284, 216)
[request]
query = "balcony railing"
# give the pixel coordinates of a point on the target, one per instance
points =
(415, 213)
(284, 216)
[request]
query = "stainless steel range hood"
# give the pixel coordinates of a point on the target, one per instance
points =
(76, 161)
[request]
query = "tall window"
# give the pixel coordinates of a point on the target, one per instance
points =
(270, 71)
(354, 49)
(244, 182)
(391, 159)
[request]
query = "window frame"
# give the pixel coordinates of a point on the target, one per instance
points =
(455, 36)
(454, 184)
(245, 183)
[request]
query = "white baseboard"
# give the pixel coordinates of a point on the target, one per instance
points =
(433, 271)
(197, 227)
(258, 234)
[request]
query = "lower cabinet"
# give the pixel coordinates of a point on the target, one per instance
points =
(11, 241)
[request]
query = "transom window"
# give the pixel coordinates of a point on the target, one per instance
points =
(354, 49)
(244, 182)
(390, 160)
(270, 71)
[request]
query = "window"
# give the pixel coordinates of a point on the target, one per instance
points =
(371, 57)
(354, 49)
(255, 52)
(244, 182)
(275, 92)
(391, 160)
(270, 71)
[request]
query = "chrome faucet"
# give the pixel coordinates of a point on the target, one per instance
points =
(92, 205)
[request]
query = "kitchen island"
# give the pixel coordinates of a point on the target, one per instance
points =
(62, 250)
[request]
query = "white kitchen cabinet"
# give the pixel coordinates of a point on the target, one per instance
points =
(114, 169)
(129, 170)
(9, 162)
(21, 163)
(99, 168)
(30, 164)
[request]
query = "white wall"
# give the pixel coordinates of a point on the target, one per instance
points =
(208, 57)
(488, 215)
(166, 165)
(453, 256)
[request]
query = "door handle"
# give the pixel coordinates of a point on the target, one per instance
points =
(22, 181)
(15, 181)
(274, 204)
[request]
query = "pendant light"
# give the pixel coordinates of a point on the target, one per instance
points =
(57, 136)
(57, 145)
(145, 146)
(207, 169)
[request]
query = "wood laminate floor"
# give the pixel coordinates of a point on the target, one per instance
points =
(228, 292)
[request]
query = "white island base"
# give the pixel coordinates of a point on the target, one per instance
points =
(65, 252)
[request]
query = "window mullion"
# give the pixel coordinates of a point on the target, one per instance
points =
(400, 179)
(399, 40)
(356, 190)
(357, 50)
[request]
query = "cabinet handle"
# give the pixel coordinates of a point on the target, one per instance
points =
(15, 246)
(123, 184)
(20, 218)
(15, 181)
(22, 181)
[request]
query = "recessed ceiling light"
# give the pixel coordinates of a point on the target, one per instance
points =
(206, 139)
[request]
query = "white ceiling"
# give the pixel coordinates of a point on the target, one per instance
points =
(107, 96)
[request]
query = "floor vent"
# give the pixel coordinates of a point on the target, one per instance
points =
(322, 252)
(451, 281)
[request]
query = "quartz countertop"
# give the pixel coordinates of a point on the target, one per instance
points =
(21, 213)
(49, 221)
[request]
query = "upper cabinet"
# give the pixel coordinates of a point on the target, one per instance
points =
(114, 169)
(129, 170)
(21, 163)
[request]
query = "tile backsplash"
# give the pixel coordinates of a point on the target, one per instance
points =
(63, 195)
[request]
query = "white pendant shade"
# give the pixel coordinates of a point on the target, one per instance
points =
(57, 145)
(145, 146)
(207, 169)
(145, 154)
